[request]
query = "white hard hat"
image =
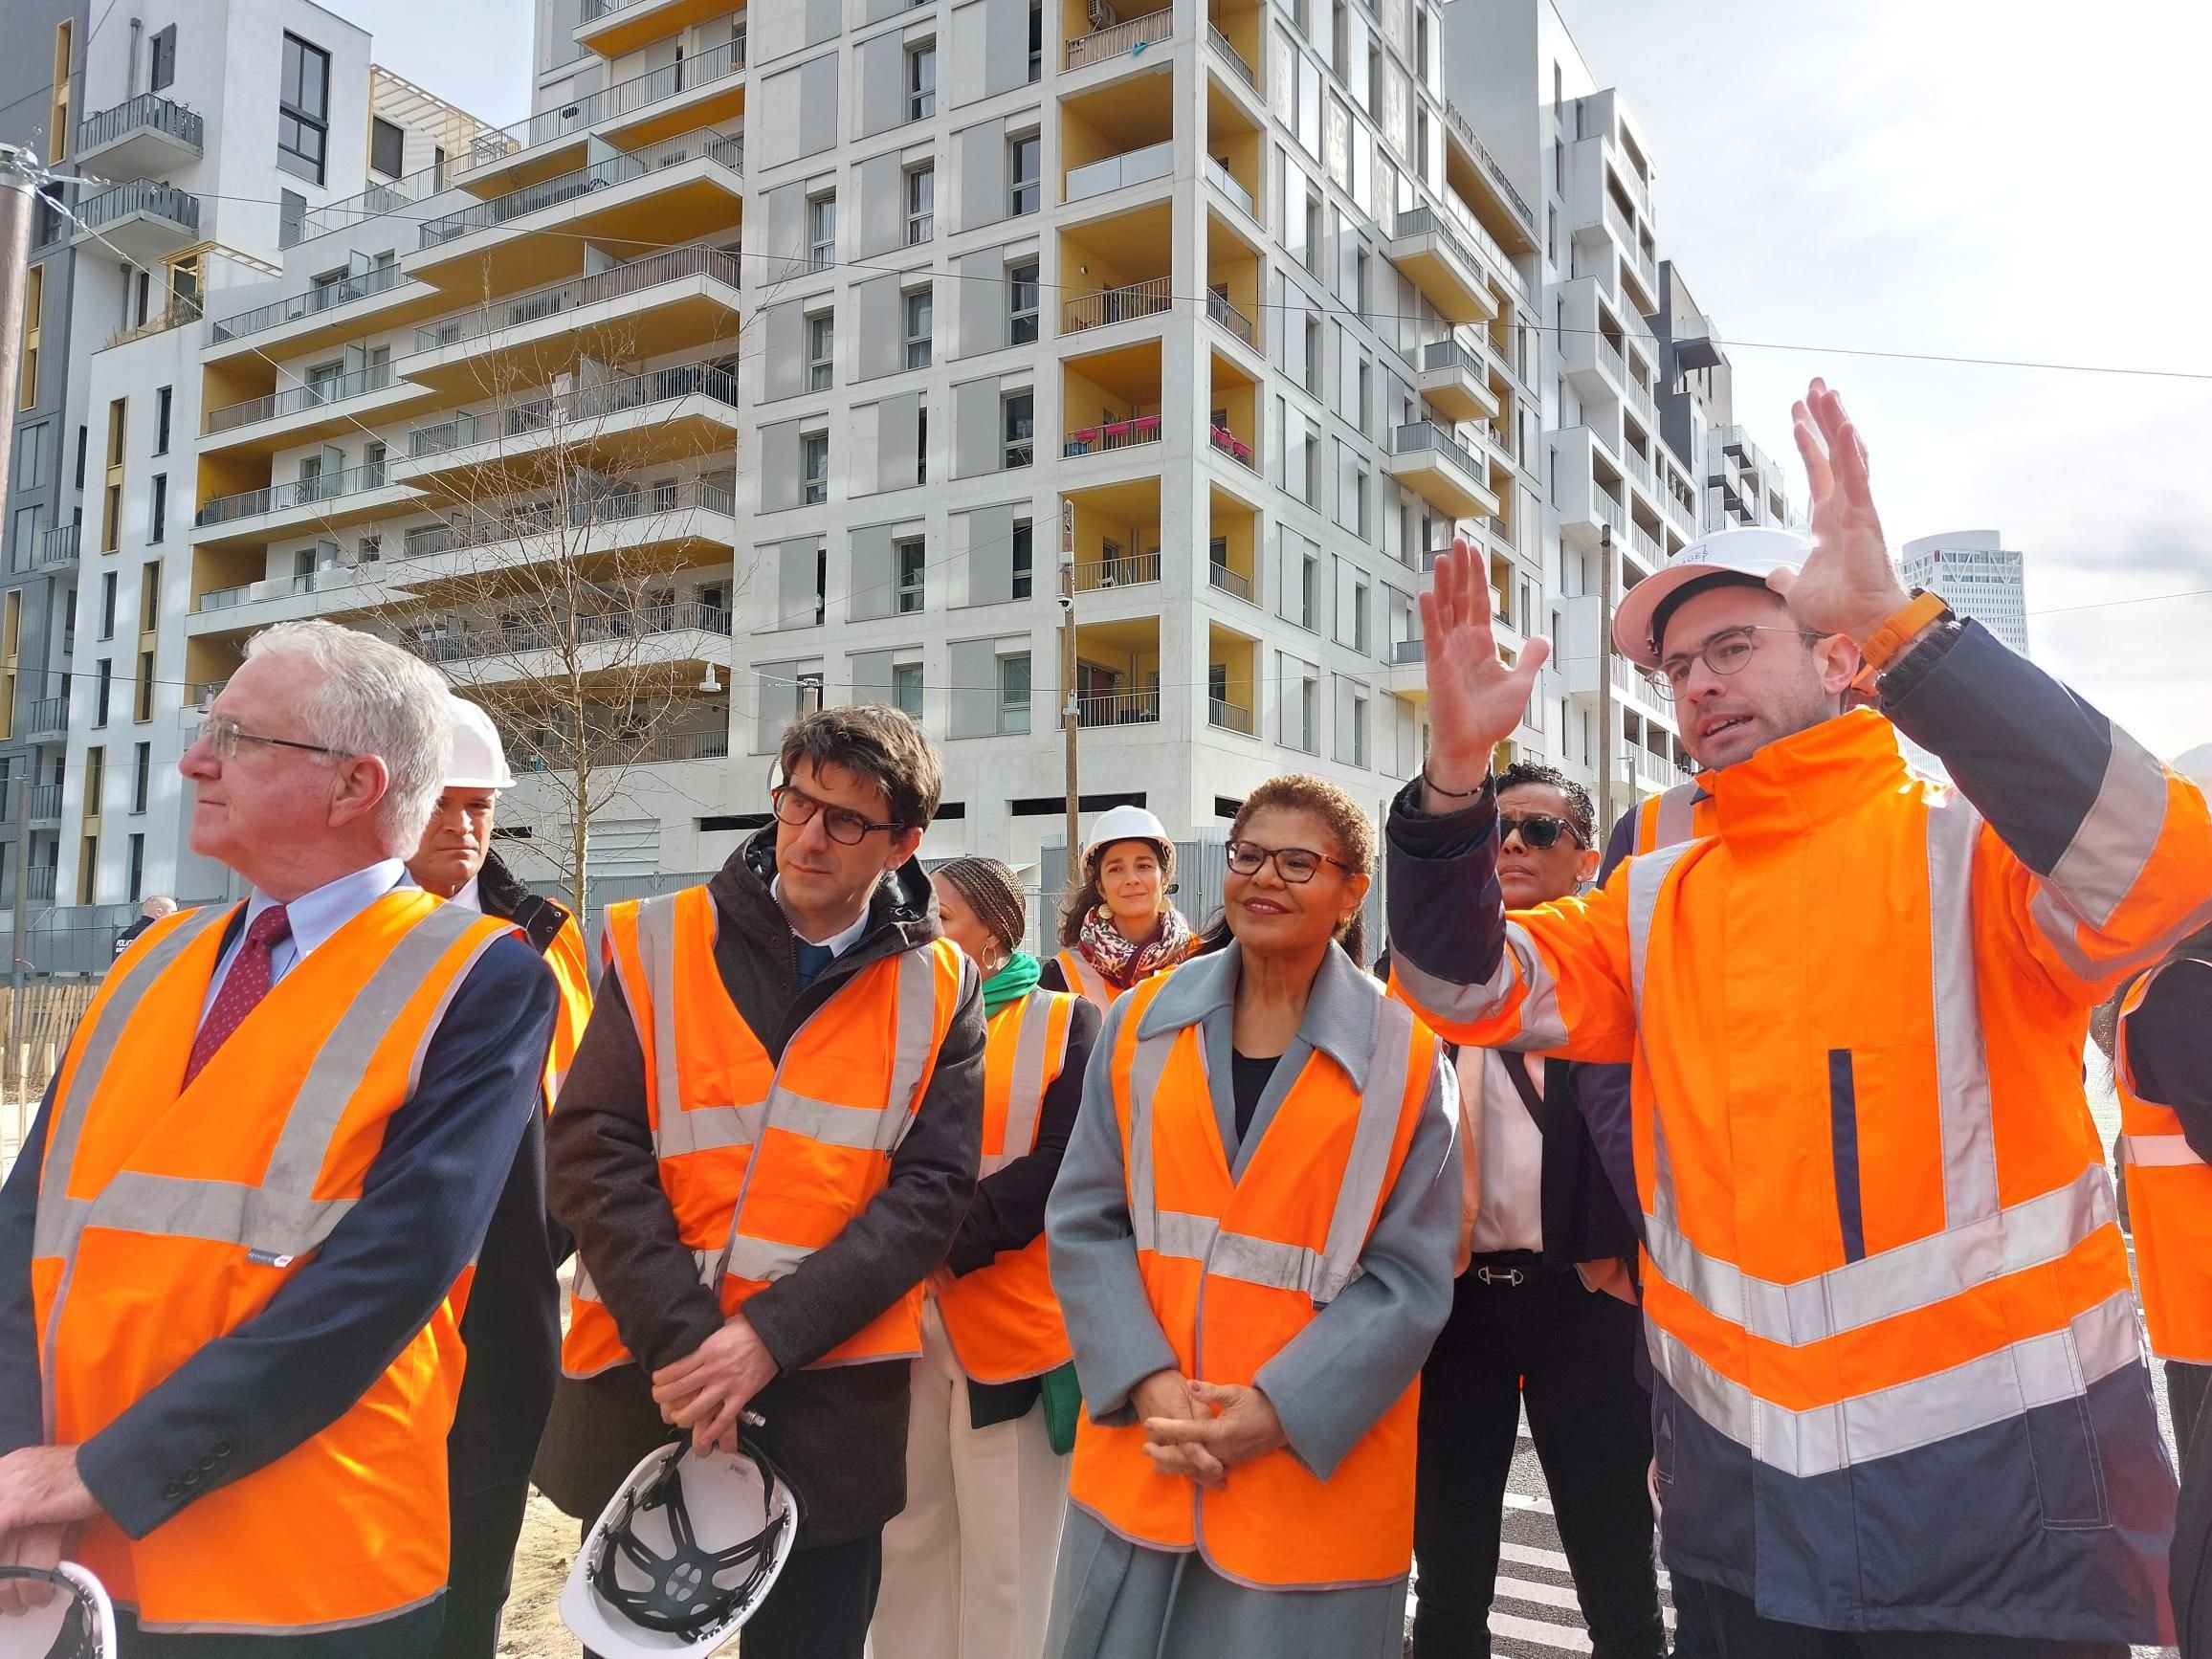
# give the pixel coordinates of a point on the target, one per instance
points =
(1758, 553)
(1127, 823)
(685, 1554)
(480, 758)
(79, 1621)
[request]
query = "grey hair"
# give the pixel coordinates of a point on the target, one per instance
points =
(370, 697)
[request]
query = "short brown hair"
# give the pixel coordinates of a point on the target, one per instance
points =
(1303, 792)
(881, 743)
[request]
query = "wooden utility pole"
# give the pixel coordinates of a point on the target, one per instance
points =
(1606, 680)
(1071, 709)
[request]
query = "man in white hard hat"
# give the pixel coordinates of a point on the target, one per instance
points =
(512, 1322)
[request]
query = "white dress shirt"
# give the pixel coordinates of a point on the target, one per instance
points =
(1512, 1216)
(468, 898)
(839, 943)
(314, 917)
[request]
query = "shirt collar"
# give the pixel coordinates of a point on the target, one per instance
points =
(1340, 1011)
(839, 943)
(469, 897)
(314, 917)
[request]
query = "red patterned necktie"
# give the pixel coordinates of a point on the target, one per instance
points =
(251, 973)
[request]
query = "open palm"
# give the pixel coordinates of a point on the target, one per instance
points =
(1475, 699)
(1847, 585)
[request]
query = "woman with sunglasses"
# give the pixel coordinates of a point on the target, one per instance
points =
(1252, 1238)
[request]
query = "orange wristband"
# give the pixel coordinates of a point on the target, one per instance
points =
(1893, 635)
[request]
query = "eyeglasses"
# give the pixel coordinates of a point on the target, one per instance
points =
(1539, 831)
(223, 734)
(795, 807)
(1725, 652)
(1295, 865)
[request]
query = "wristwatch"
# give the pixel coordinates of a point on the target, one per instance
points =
(1889, 641)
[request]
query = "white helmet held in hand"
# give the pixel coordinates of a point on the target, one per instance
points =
(79, 1621)
(480, 758)
(684, 1554)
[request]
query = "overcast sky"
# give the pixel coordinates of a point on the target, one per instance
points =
(1955, 177)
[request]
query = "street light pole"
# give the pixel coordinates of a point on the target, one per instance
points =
(1606, 680)
(1070, 709)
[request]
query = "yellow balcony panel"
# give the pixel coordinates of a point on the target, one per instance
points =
(1118, 672)
(1232, 545)
(1116, 536)
(1231, 679)
(1442, 266)
(1454, 380)
(1232, 281)
(1430, 461)
(613, 28)
(1110, 400)
(1117, 269)
(1118, 136)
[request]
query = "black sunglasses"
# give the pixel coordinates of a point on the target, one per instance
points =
(1539, 831)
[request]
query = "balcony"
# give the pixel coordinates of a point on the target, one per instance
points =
(1219, 308)
(301, 415)
(323, 296)
(1119, 389)
(142, 220)
(563, 299)
(624, 213)
(1226, 50)
(1454, 378)
(1115, 172)
(47, 720)
(1226, 442)
(1121, 39)
(1233, 583)
(1439, 263)
(142, 137)
(326, 580)
(1408, 675)
(632, 509)
(1227, 716)
(1152, 298)
(54, 552)
(1432, 461)
(1125, 434)
(582, 631)
(589, 420)
(1119, 708)
(325, 500)
(613, 28)
(1127, 570)
(45, 805)
(1476, 175)
(40, 887)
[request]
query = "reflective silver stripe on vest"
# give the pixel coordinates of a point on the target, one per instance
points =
(657, 920)
(1996, 1387)
(1037, 1061)
(1920, 1274)
(1086, 981)
(2116, 838)
(1647, 873)
(1962, 1106)
(1676, 816)
(1368, 1167)
(1456, 1005)
(1145, 1070)
(2157, 1151)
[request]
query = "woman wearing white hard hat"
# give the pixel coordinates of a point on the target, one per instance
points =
(1119, 924)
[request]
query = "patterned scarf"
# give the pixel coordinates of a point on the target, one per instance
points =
(1124, 964)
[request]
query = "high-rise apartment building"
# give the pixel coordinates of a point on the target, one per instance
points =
(783, 355)
(1978, 576)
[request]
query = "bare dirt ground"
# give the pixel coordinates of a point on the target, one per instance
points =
(532, 1629)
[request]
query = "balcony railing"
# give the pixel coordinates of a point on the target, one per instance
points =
(180, 208)
(1647, 546)
(1496, 174)
(1406, 652)
(1428, 435)
(45, 801)
(1641, 398)
(1110, 306)
(1617, 222)
(53, 549)
(40, 884)
(622, 502)
(1229, 716)
(669, 265)
(1647, 267)
(707, 746)
(1225, 182)
(294, 399)
(313, 302)
(1231, 581)
(1233, 446)
(176, 314)
(1127, 570)
(1125, 434)
(147, 112)
(1220, 42)
(1121, 39)
(1222, 311)
(621, 169)
(323, 578)
(1118, 708)
(1608, 510)
(1609, 356)
(1130, 167)
(519, 638)
(1639, 468)
(586, 403)
(283, 498)
(1451, 354)
(48, 715)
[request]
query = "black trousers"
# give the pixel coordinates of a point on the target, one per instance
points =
(1570, 1353)
(820, 1606)
(485, 1527)
(2191, 1557)
(1730, 1629)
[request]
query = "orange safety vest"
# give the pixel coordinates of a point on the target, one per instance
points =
(765, 1161)
(1672, 817)
(1086, 981)
(1236, 1266)
(168, 1216)
(571, 965)
(1002, 1320)
(2170, 1204)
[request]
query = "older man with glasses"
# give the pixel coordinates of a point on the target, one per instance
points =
(234, 1252)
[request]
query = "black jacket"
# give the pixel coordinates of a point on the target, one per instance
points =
(840, 1433)
(512, 1325)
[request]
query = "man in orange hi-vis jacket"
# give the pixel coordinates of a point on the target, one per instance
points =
(1900, 1400)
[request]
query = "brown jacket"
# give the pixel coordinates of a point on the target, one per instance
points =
(839, 1434)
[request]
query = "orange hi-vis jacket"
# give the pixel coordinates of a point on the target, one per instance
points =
(1883, 1275)
(1672, 817)
(1002, 1320)
(764, 1162)
(1234, 1268)
(170, 1215)
(2170, 1205)
(571, 965)
(1086, 981)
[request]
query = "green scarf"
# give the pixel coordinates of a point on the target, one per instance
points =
(1017, 979)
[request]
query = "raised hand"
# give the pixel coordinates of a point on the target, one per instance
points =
(1474, 700)
(1847, 585)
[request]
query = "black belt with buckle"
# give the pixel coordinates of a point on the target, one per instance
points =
(1509, 1268)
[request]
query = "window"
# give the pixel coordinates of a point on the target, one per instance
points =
(81, 433)
(821, 351)
(88, 870)
(1015, 695)
(150, 598)
(141, 774)
(822, 232)
(1312, 354)
(1360, 503)
(918, 329)
(1036, 41)
(921, 445)
(1020, 429)
(102, 682)
(810, 688)
(386, 147)
(1358, 730)
(814, 468)
(114, 431)
(107, 606)
(920, 203)
(1313, 491)
(906, 688)
(1360, 609)
(1314, 243)
(162, 401)
(291, 217)
(63, 125)
(1021, 304)
(138, 867)
(921, 81)
(907, 559)
(163, 77)
(29, 452)
(1024, 571)
(159, 522)
(33, 310)
(1025, 167)
(303, 110)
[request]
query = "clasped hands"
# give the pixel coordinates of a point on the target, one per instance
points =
(709, 1388)
(1201, 1430)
